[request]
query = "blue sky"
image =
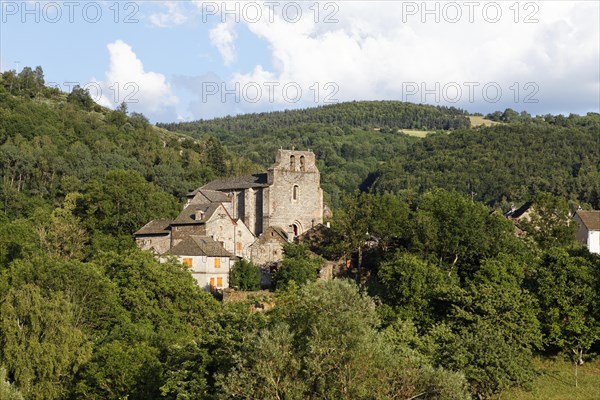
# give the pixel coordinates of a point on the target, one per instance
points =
(186, 60)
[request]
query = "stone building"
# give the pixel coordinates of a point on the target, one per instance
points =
(589, 229)
(206, 259)
(250, 216)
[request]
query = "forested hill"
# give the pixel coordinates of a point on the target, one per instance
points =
(504, 163)
(362, 145)
(381, 114)
(52, 144)
(349, 139)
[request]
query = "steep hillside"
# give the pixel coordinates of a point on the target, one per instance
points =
(508, 162)
(349, 139)
(52, 144)
(392, 146)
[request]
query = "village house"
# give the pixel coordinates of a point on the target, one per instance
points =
(207, 260)
(249, 217)
(589, 229)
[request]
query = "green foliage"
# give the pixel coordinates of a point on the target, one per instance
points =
(323, 344)
(508, 161)
(349, 139)
(491, 329)
(186, 375)
(411, 286)
(298, 266)
(41, 344)
(142, 283)
(460, 232)
(81, 98)
(7, 390)
(244, 275)
(52, 144)
(121, 369)
(568, 290)
(123, 202)
(550, 222)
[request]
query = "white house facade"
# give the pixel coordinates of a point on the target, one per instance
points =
(589, 229)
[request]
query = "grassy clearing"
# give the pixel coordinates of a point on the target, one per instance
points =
(477, 121)
(556, 381)
(416, 132)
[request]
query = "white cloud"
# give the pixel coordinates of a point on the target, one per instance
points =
(173, 16)
(223, 37)
(377, 48)
(127, 81)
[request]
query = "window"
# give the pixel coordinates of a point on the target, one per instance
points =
(217, 263)
(212, 285)
(295, 193)
(302, 164)
(187, 262)
(220, 282)
(238, 246)
(293, 163)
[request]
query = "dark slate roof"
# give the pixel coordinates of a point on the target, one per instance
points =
(188, 215)
(519, 211)
(241, 182)
(199, 246)
(281, 232)
(209, 196)
(591, 219)
(155, 227)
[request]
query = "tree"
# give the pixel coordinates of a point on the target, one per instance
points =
(123, 202)
(40, 344)
(459, 232)
(297, 265)
(550, 222)
(411, 287)
(81, 97)
(491, 328)
(323, 343)
(244, 275)
(567, 288)
(7, 390)
(350, 228)
(63, 235)
(122, 108)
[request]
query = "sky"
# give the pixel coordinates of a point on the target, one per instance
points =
(187, 60)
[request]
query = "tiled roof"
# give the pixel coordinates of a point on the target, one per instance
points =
(591, 219)
(155, 227)
(281, 232)
(199, 246)
(241, 182)
(188, 215)
(209, 196)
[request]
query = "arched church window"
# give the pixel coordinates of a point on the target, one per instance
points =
(293, 163)
(295, 193)
(302, 163)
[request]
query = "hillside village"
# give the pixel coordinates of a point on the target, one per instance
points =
(251, 217)
(444, 289)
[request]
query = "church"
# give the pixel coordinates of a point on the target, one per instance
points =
(248, 217)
